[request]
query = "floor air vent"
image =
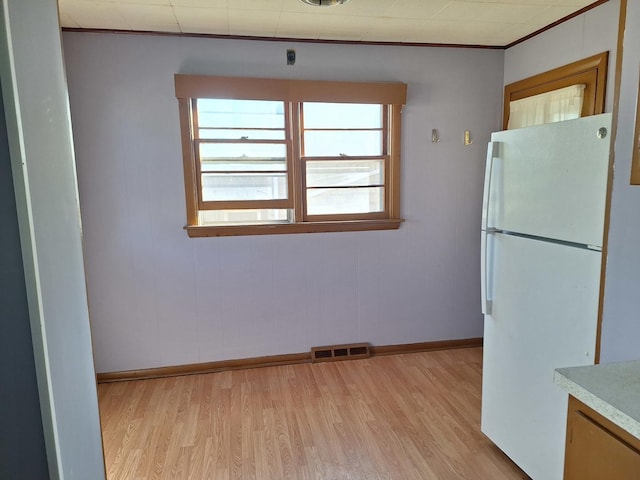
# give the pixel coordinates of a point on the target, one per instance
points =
(334, 353)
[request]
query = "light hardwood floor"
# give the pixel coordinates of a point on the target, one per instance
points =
(413, 416)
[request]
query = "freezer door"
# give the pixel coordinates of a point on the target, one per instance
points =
(551, 180)
(544, 315)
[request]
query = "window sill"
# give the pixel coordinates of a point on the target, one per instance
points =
(196, 231)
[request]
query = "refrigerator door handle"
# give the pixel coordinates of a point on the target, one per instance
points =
(485, 273)
(492, 150)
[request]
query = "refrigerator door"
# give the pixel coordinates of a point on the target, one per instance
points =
(550, 180)
(544, 315)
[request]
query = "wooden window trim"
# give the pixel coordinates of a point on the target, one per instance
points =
(591, 71)
(189, 160)
(394, 156)
(196, 231)
(294, 92)
(382, 156)
(204, 86)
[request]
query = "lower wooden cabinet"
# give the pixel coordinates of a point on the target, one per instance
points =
(597, 449)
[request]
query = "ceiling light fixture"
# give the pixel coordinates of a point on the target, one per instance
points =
(324, 3)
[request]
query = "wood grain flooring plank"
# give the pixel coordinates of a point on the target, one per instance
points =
(399, 417)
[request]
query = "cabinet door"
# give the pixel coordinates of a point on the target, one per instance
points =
(594, 453)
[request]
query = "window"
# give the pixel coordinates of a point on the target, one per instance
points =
(590, 72)
(555, 106)
(288, 156)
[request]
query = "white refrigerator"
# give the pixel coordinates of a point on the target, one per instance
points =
(542, 231)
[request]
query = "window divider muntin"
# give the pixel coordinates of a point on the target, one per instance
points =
(200, 141)
(271, 129)
(344, 187)
(246, 204)
(377, 129)
(298, 172)
(245, 172)
(344, 158)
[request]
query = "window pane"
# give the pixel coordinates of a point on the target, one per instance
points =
(345, 173)
(230, 134)
(244, 217)
(328, 201)
(249, 186)
(240, 113)
(221, 157)
(334, 143)
(342, 115)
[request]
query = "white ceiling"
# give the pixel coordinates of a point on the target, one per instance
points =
(468, 22)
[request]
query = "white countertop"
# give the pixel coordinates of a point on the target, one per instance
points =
(612, 390)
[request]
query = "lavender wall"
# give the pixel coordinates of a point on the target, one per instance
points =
(620, 325)
(159, 298)
(593, 32)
